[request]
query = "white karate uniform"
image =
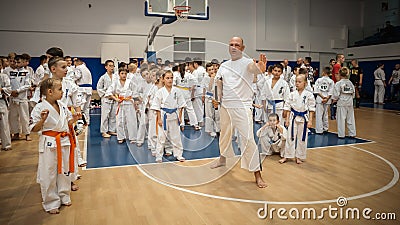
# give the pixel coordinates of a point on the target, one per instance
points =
(83, 78)
(36, 79)
(272, 140)
(323, 86)
(280, 92)
(4, 124)
(287, 73)
(303, 103)
(344, 92)
(163, 101)
(152, 115)
(55, 188)
(144, 107)
(380, 78)
(185, 85)
(108, 120)
(212, 120)
(292, 82)
(126, 117)
(198, 106)
(19, 107)
(257, 88)
(236, 111)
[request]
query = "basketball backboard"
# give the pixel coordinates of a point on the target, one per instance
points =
(165, 8)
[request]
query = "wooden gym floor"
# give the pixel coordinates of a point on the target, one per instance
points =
(366, 174)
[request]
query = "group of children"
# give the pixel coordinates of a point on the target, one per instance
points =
(289, 108)
(48, 101)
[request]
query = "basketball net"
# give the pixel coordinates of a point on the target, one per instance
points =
(182, 12)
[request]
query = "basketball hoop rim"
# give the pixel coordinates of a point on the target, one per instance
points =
(181, 8)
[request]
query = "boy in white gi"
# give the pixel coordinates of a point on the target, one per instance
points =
(124, 91)
(52, 119)
(108, 105)
(380, 84)
(152, 115)
(299, 111)
(83, 78)
(5, 91)
(323, 88)
(169, 102)
(272, 136)
(209, 89)
(343, 93)
(19, 107)
(198, 74)
(280, 92)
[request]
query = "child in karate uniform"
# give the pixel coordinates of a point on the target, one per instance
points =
(323, 88)
(124, 91)
(52, 119)
(343, 94)
(272, 136)
(5, 91)
(211, 112)
(169, 102)
(299, 111)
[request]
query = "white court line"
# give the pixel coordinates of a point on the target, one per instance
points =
(380, 190)
(85, 147)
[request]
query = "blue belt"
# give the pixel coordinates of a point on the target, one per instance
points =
(85, 85)
(302, 114)
(273, 103)
(169, 111)
(209, 94)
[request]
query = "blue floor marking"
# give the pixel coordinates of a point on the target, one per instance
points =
(106, 152)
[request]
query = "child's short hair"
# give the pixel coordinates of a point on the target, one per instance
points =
(143, 70)
(55, 51)
(269, 69)
(344, 72)
(26, 57)
(18, 57)
(160, 73)
(108, 61)
(272, 115)
(122, 69)
(327, 70)
(11, 55)
(54, 60)
(303, 71)
(47, 84)
(304, 76)
(208, 65)
(278, 65)
(43, 58)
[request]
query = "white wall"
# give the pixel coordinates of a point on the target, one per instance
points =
(276, 27)
(374, 52)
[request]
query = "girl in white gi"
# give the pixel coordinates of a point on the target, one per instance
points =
(272, 136)
(212, 114)
(169, 102)
(52, 119)
(5, 91)
(280, 92)
(152, 115)
(144, 91)
(380, 84)
(343, 93)
(108, 105)
(323, 88)
(124, 91)
(186, 85)
(299, 111)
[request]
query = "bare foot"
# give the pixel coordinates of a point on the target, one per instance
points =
(298, 161)
(82, 165)
(168, 154)
(221, 162)
(181, 159)
(54, 211)
(74, 187)
(28, 138)
(283, 160)
(259, 181)
(67, 204)
(159, 161)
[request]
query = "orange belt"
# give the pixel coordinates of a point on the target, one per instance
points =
(121, 100)
(58, 136)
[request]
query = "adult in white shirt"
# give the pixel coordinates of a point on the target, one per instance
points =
(379, 84)
(235, 79)
(287, 70)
